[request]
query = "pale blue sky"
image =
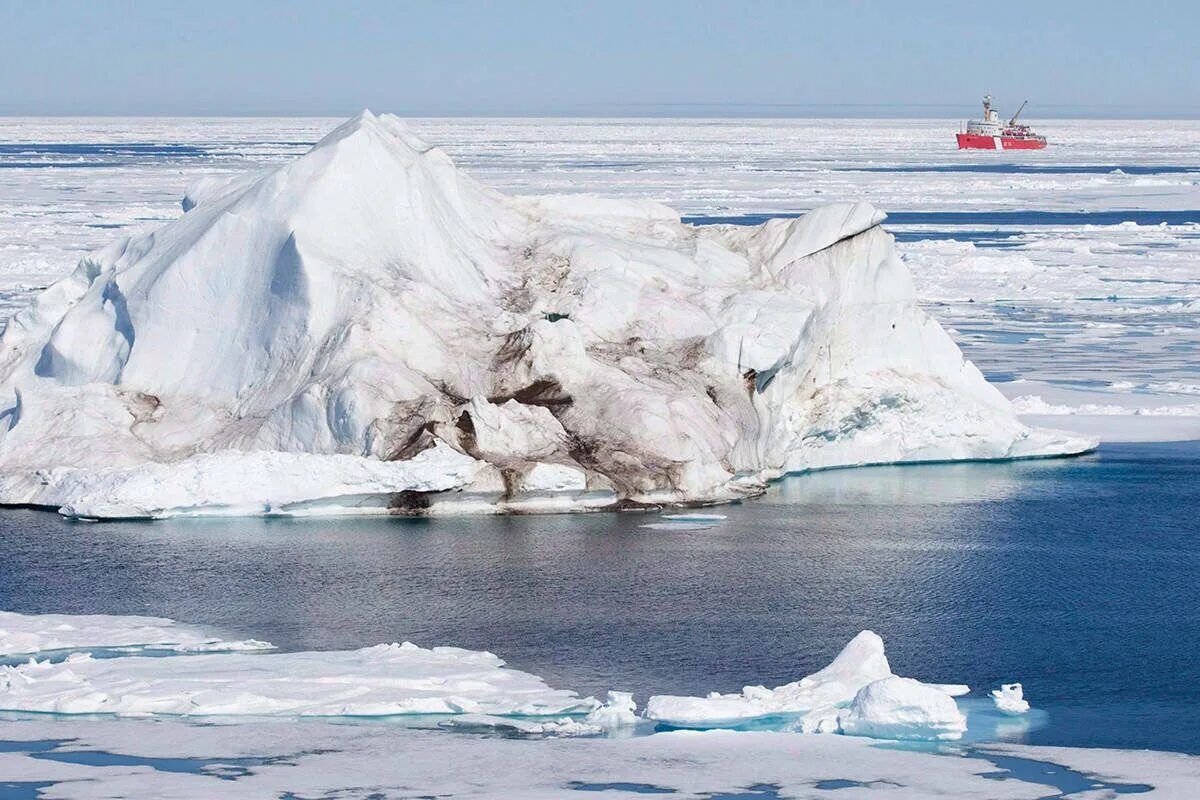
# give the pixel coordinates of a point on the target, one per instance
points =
(924, 57)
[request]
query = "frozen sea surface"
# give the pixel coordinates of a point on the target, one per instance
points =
(1066, 271)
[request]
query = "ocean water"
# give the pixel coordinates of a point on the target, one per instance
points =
(1077, 577)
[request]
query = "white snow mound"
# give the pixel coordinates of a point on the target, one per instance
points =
(368, 330)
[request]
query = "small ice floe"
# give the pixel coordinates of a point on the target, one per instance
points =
(685, 522)
(1010, 699)
(619, 711)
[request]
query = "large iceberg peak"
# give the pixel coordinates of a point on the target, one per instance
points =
(368, 329)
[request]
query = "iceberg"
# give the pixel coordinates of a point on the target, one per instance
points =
(368, 330)
(856, 694)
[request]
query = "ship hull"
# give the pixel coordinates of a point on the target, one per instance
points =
(974, 141)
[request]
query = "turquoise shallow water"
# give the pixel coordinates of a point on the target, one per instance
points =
(1076, 577)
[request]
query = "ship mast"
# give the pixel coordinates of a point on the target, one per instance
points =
(1013, 121)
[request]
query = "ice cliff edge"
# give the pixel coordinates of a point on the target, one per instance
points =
(366, 329)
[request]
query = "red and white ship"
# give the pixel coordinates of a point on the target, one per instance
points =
(990, 133)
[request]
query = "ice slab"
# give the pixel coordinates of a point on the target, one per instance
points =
(382, 680)
(26, 634)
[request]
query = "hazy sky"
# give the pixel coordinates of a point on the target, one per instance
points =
(1098, 57)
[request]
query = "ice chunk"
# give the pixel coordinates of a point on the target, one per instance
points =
(374, 681)
(1010, 698)
(902, 708)
(619, 711)
(857, 693)
(25, 634)
(860, 662)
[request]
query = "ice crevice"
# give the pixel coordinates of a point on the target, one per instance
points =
(368, 330)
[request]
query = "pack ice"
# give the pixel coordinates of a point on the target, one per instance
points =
(368, 330)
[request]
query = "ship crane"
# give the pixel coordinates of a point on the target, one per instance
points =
(1013, 121)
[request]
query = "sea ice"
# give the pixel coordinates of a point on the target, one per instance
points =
(366, 329)
(256, 759)
(1010, 698)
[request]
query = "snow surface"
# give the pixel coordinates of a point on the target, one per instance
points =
(366, 329)
(26, 634)
(265, 759)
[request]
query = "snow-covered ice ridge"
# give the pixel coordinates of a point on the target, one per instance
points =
(857, 694)
(366, 329)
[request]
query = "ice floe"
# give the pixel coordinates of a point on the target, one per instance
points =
(366, 329)
(383, 680)
(26, 634)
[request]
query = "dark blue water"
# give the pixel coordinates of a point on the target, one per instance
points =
(1036, 169)
(1076, 577)
(1016, 218)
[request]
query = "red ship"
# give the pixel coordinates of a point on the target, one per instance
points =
(990, 133)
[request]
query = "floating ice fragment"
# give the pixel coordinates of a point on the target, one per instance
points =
(902, 708)
(22, 634)
(1010, 698)
(619, 711)
(860, 662)
(856, 694)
